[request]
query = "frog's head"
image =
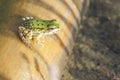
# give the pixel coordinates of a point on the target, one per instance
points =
(54, 24)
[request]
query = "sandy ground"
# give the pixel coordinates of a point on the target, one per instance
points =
(96, 54)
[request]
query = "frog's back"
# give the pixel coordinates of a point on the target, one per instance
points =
(35, 23)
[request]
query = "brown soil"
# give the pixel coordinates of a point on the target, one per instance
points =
(96, 54)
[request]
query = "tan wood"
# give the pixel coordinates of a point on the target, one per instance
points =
(44, 61)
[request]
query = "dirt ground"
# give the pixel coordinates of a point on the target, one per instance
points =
(96, 54)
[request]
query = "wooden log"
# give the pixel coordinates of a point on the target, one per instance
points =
(41, 62)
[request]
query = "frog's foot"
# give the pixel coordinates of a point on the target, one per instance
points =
(25, 35)
(28, 37)
(27, 18)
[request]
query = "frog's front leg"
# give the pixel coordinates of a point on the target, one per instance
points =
(37, 38)
(25, 34)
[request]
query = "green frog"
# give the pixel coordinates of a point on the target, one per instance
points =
(34, 28)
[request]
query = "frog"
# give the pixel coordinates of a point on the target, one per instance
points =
(32, 29)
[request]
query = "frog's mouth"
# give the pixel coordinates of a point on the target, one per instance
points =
(45, 31)
(52, 31)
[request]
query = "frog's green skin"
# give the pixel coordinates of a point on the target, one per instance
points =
(43, 23)
(33, 28)
(38, 25)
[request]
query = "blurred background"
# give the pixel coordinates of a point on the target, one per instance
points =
(96, 54)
